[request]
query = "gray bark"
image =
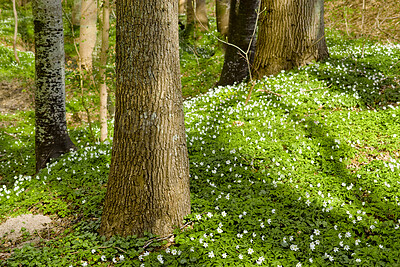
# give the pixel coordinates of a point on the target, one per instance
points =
(51, 137)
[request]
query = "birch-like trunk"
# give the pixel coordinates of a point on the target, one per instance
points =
(291, 34)
(103, 62)
(243, 16)
(148, 186)
(88, 32)
(51, 136)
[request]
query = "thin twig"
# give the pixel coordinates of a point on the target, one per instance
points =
(11, 135)
(149, 242)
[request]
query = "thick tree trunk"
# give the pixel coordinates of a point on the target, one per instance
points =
(148, 186)
(243, 16)
(88, 32)
(189, 19)
(51, 138)
(182, 6)
(103, 62)
(201, 15)
(291, 34)
(222, 8)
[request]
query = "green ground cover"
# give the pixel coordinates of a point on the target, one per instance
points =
(306, 174)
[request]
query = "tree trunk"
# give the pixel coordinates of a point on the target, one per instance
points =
(243, 16)
(222, 8)
(189, 19)
(103, 62)
(148, 186)
(88, 32)
(182, 6)
(15, 31)
(76, 12)
(51, 138)
(201, 15)
(291, 34)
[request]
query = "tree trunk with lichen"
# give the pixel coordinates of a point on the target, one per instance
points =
(51, 136)
(148, 186)
(291, 34)
(243, 16)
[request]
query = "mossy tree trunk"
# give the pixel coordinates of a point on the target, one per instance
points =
(51, 136)
(148, 186)
(242, 20)
(291, 34)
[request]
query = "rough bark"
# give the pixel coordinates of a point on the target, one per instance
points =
(148, 186)
(222, 8)
(243, 16)
(51, 136)
(103, 62)
(291, 34)
(88, 32)
(182, 6)
(201, 15)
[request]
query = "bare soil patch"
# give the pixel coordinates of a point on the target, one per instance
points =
(14, 96)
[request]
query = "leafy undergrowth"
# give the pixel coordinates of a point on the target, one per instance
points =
(306, 174)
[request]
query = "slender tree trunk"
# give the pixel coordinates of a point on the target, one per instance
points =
(201, 15)
(243, 16)
(15, 31)
(103, 63)
(148, 186)
(291, 34)
(88, 32)
(189, 19)
(51, 138)
(182, 6)
(222, 8)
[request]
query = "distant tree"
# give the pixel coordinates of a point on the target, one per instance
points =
(189, 19)
(201, 15)
(88, 32)
(291, 34)
(105, 26)
(242, 20)
(148, 185)
(51, 137)
(76, 12)
(182, 6)
(222, 8)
